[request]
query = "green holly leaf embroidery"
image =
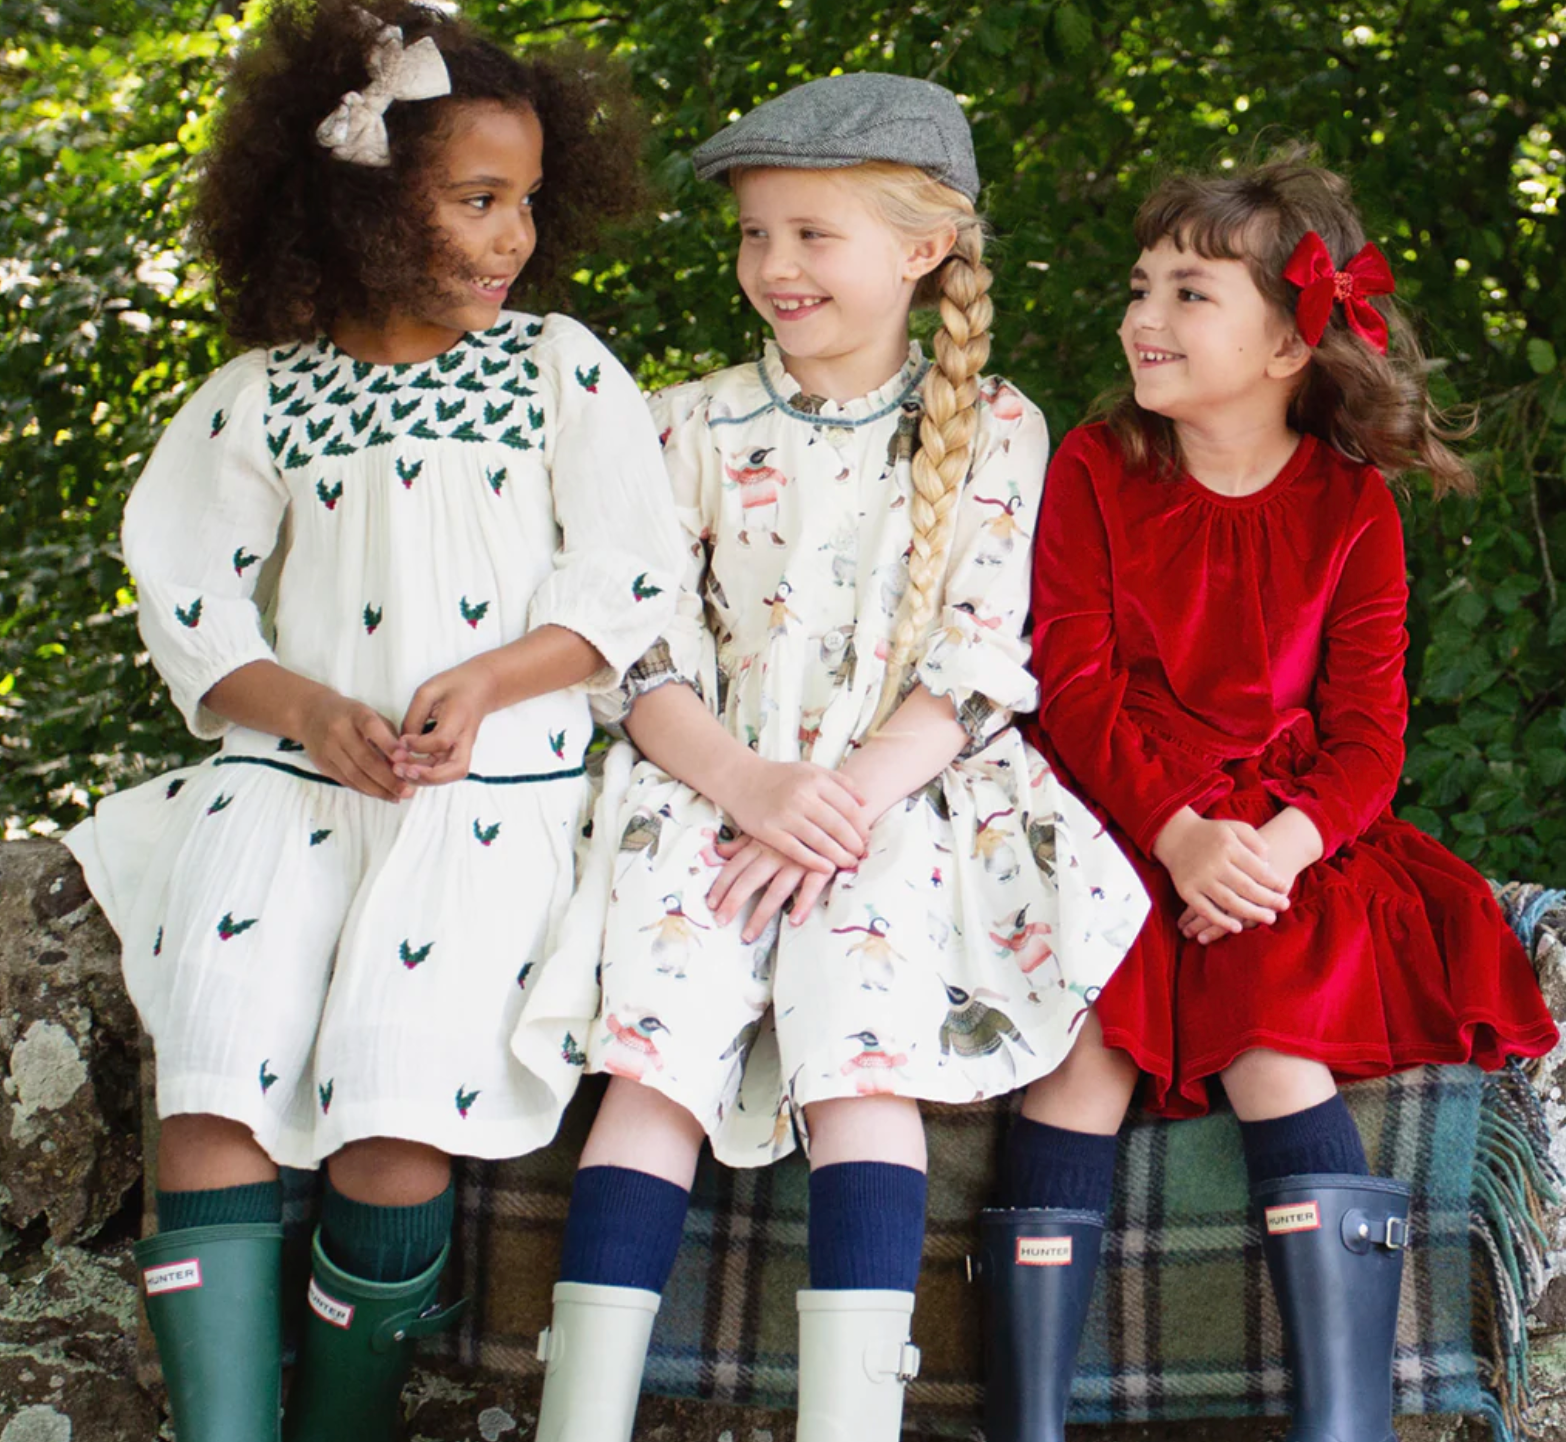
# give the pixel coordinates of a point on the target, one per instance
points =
(557, 744)
(412, 958)
(424, 431)
(219, 420)
(571, 1053)
(287, 744)
(189, 615)
(243, 561)
(641, 591)
(465, 1100)
(588, 380)
(401, 410)
(324, 1090)
(527, 966)
(493, 367)
(380, 437)
(280, 355)
(449, 410)
(408, 472)
(265, 1077)
(452, 360)
(384, 386)
(361, 369)
(337, 446)
(372, 618)
(299, 407)
(277, 394)
(533, 329)
(305, 366)
(317, 837)
(424, 381)
(228, 928)
(157, 943)
(515, 439)
(474, 614)
(174, 788)
(513, 346)
(275, 443)
(358, 420)
(471, 382)
(485, 835)
(467, 431)
(529, 369)
(320, 383)
(341, 396)
(516, 388)
(329, 495)
(316, 429)
(220, 803)
(295, 459)
(496, 479)
(535, 417)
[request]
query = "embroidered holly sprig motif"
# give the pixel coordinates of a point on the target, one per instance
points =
(496, 479)
(588, 380)
(219, 420)
(641, 591)
(265, 1077)
(174, 788)
(571, 1052)
(157, 943)
(522, 975)
(485, 835)
(401, 410)
(411, 958)
(324, 1090)
(289, 744)
(408, 472)
(243, 561)
(474, 614)
(220, 803)
(557, 744)
(189, 616)
(317, 429)
(372, 618)
(514, 438)
(465, 1100)
(228, 928)
(318, 836)
(535, 417)
(496, 411)
(329, 496)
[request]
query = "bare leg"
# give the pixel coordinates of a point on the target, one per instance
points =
(1089, 1091)
(201, 1153)
(639, 1128)
(389, 1172)
(1265, 1084)
(866, 1129)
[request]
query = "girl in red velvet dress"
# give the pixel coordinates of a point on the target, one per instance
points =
(1219, 605)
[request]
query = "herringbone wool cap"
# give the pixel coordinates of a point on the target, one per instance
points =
(847, 120)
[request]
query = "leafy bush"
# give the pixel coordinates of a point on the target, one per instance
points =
(1450, 120)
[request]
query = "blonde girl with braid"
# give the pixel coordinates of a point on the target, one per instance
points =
(813, 898)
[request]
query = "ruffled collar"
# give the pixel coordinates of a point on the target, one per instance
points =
(789, 397)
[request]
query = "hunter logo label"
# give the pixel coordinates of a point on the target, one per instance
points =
(173, 1277)
(1043, 1251)
(1296, 1217)
(329, 1309)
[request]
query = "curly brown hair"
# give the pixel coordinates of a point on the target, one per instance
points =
(298, 238)
(1369, 406)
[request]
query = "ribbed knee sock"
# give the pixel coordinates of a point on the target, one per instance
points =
(866, 1227)
(623, 1229)
(220, 1207)
(1049, 1166)
(1319, 1139)
(385, 1244)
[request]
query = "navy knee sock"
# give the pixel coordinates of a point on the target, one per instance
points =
(220, 1207)
(1319, 1139)
(866, 1227)
(1049, 1166)
(384, 1244)
(623, 1229)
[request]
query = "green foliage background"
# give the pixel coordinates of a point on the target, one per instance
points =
(1450, 117)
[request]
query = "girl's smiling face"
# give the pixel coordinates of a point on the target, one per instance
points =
(1203, 344)
(833, 280)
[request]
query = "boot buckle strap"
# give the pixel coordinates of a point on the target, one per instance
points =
(406, 1326)
(897, 1361)
(1396, 1238)
(546, 1348)
(1360, 1233)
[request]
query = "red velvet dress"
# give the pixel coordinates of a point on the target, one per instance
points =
(1240, 655)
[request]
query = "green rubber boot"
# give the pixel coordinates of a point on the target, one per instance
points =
(214, 1302)
(356, 1350)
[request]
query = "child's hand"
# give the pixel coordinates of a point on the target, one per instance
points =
(353, 744)
(1221, 869)
(812, 817)
(752, 865)
(442, 724)
(1292, 843)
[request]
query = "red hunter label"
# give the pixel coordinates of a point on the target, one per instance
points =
(173, 1277)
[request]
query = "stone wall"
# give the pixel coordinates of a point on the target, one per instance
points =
(70, 1170)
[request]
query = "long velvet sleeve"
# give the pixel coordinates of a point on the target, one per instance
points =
(1361, 700)
(1082, 683)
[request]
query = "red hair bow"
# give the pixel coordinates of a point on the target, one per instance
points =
(1368, 274)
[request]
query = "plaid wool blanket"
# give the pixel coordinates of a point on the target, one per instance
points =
(1183, 1322)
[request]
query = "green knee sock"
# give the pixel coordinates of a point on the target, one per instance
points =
(385, 1244)
(222, 1206)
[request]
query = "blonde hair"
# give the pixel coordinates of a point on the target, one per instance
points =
(919, 207)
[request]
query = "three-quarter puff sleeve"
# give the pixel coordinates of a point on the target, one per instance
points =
(199, 525)
(977, 651)
(617, 571)
(1361, 698)
(1082, 683)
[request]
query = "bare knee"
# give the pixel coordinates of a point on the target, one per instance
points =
(390, 1172)
(639, 1128)
(866, 1129)
(1263, 1084)
(1089, 1091)
(198, 1152)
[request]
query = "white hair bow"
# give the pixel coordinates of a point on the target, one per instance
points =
(356, 130)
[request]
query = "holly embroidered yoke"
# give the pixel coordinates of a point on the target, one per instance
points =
(317, 964)
(957, 961)
(1240, 655)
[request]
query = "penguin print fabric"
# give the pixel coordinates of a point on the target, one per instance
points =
(957, 962)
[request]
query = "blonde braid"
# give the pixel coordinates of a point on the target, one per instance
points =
(946, 431)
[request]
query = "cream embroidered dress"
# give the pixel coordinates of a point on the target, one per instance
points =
(317, 964)
(958, 961)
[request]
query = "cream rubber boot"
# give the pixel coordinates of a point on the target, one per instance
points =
(855, 1360)
(595, 1347)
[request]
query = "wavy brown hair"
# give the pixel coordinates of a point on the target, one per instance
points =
(298, 238)
(1370, 407)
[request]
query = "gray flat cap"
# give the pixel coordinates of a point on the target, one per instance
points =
(847, 120)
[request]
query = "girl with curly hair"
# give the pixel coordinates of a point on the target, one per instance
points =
(386, 555)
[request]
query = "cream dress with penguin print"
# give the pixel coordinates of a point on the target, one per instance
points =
(315, 963)
(958, 961)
